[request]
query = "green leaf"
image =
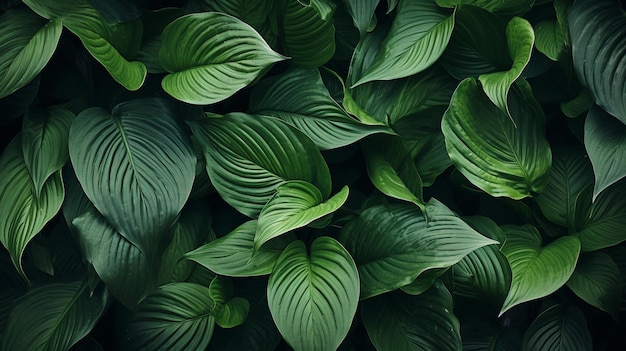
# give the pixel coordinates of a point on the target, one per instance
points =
(53, 316)
(598, 32)
(253, 12)
(393, 244)
(500, 7)
(313, 294)
(324, 8)
(550, 39)
(558, 328)
(417, 38)
(229, 312)
(211, 56)
(296, 204)
(136, 165)
(578, 105)
(300, 98)
(605, 141)
(520, 38)
(110, 44)
(538, 271)
(487, 147)
(391, 323)
(362, 13)
(597, 281)
(176, 316)
(27, 43)
(248, 157)
(23, 213)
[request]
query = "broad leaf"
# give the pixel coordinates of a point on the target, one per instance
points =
(605, 141)
(211, 56)
(550, 39)
(362, 13)
(558, 328)
(136, 165)
(501, 7)
(176, 316)
(538, 271)
(393, 244)
(488, 148)
(391, 323)
(296, 204)
(53, 316)
(313, 294)
(229, 311)
(248, 157)
(598, 32)
(24, 213)
(27, 43)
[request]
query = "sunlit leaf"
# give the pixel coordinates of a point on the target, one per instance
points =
(558, 328)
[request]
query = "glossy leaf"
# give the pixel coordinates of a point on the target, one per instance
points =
(487, 147)
(537, 270)
(27, 43)
(558, 328)
(211, 56)
(362, 13)
(313, 294)
(393, 244)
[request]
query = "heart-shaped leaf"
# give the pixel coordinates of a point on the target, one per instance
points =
(313, 294)
(558, 328)
(211, 56)
(538, 271)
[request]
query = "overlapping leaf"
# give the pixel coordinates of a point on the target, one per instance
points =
(362, 13)
(558, 328)
(229, 311)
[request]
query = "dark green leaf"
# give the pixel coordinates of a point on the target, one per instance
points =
(362, 13)
(229, 311)
(558, 328)
(501, 7)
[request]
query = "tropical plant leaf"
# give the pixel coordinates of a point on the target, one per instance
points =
(229, 311)
(393, 244)
(27, 43)
(578, 105)
(362, 13)
(549, 39)
(598, 32)
(558, 328)
(500, 7)
(176, 316)
(313, 296)
(537, 270)
(324, 8)
(136, 165)
(391, 324)
(409, 48)
(487, 147)
(248, 157)
(253, 12)
(211, 56)
(296, 204)
(53, 316)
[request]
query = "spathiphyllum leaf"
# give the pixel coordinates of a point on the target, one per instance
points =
(550, 39)
(135, 164)
(538, 270)
(176, 316)
(486, 146)
(313, 294)
(53, 316)
(400, 322)
(598, 32)
(362, 13)
(558, 328)
(295, 205)
(24, 212)
(418, 36)
(110, 44)
(520, 38)
(27, 42)
(211, 56)
(249, 156)
(324, 8)
(501, 7)
(394, 244)
(229, 311)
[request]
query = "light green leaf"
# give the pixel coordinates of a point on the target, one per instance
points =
(23, 213)
(550, 39)
(501, 7)
(393, 244)
(296, 204)
(520, 38)
(110, 44)
(176, 316)
(538, 271)
(418, 36)
(324, 8)
(391, 323)
(313, 294)
(487, 147)
(53, 316)
(211, 56)
(578, 105)
(558, 328)
(27, 43)
(598, 32)
(229, 311)
(136, 165)
(362, 13)
(248, 157)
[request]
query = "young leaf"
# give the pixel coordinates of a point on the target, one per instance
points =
(313, 295)
(229, 311)
(537, 271)
(211, 56)
(558, 328)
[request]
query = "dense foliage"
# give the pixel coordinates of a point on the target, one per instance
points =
(323, 174)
